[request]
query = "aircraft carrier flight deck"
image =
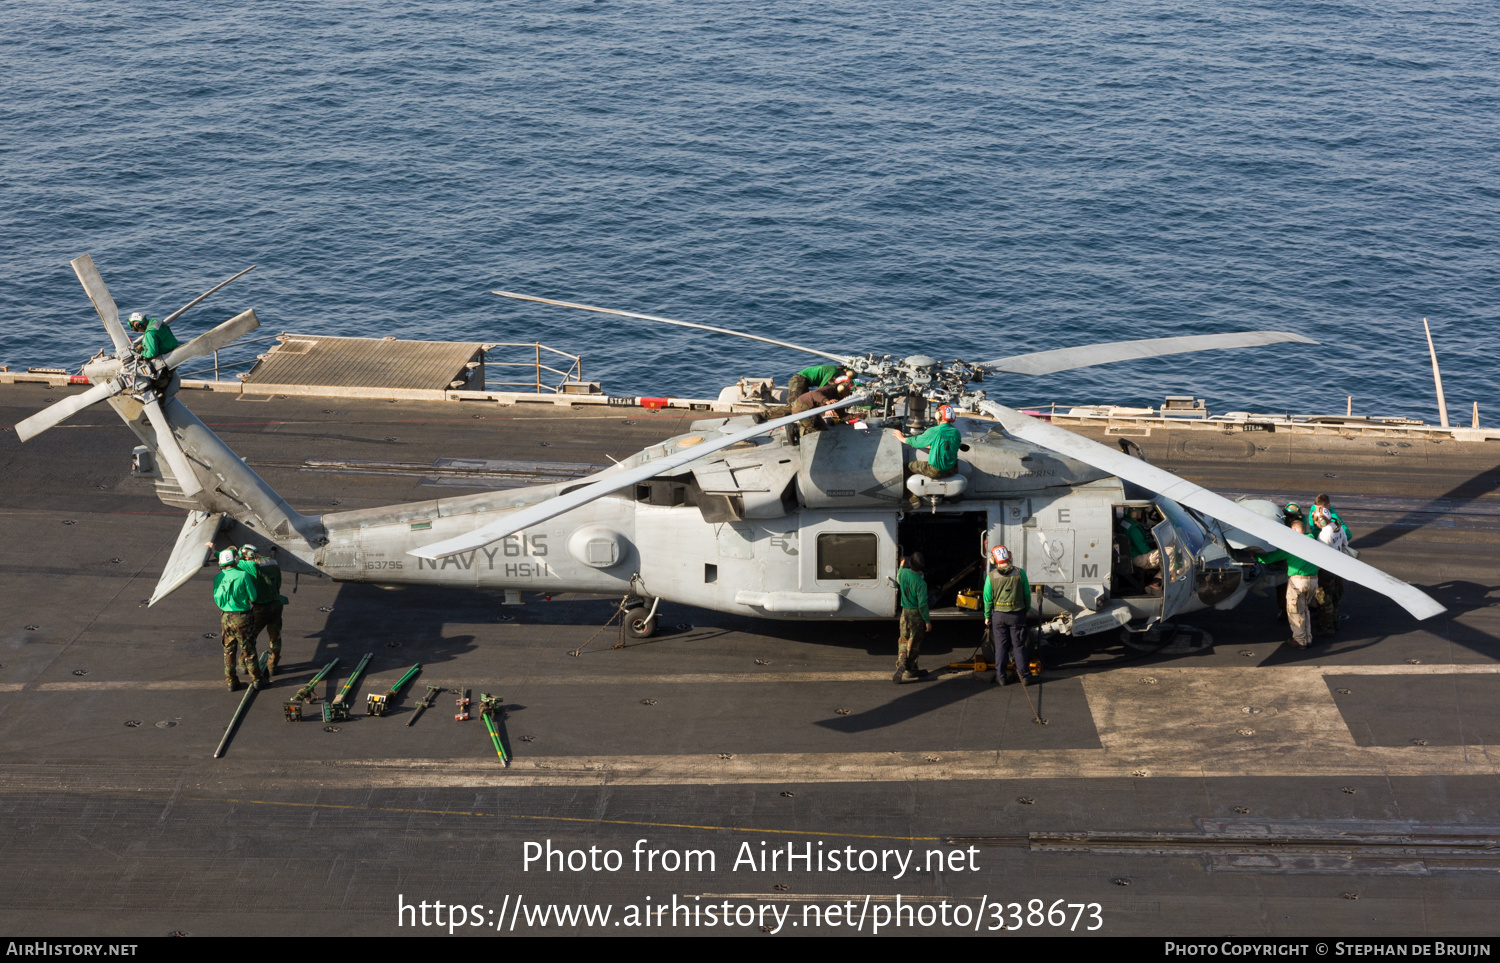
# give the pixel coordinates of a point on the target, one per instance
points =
(1224, 784)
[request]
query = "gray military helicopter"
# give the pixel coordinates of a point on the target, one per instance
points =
(736, 516)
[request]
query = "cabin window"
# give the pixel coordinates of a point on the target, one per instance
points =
(847, 555)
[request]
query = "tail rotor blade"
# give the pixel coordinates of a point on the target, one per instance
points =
(88, 276)
(166, 442)
(214, 339)
(56, 414)
(200, 298)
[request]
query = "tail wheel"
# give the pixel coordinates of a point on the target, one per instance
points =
(639, 623)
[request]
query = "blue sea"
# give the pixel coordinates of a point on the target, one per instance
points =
(962, 179)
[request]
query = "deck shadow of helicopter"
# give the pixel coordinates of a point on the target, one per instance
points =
(399, 625)
(999, 718)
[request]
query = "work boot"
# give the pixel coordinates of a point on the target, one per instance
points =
(271, 665)
(900, 675)
(233, 685)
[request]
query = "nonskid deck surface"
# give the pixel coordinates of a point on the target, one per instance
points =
(721, 730)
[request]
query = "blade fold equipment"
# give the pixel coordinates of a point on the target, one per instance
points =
(376, 705)
(1053, 438)
(842, 359)
(610, 480)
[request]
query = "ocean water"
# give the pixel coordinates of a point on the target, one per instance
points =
(963, 179)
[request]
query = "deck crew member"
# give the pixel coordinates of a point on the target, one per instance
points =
(915, 620)
(941, 443)
(816, 376)
(234, 594)
(1142, 555)
(836, 390)
(157, 338)
(266, 572)
(1007, 600)
(1301, 582)
(1335, 534)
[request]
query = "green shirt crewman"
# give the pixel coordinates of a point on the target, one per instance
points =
(941, 441)
(807, 379)
(157, 339)
(1301, 583)
(915, 619)
(234, 594)
(265, 574)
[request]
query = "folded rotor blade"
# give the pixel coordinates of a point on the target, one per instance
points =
(681, 324)
(56, 414)
(1087, 355)
(214, 338)
(88, 276)
(1184, 492)
(183, 310)
(611, 481)
(166, 443)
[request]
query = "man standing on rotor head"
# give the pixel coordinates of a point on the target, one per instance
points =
(1007, 600)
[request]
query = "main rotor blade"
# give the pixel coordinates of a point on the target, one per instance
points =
(166, 443)
(1064, 442)
(183, 310)
(841, 359)
(610, 481)
(1087, 355)
(56, 414)
(214, 338)
(88, 276)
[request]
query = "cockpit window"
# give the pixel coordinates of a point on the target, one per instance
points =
(847, 555)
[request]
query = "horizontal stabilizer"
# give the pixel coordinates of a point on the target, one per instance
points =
(194, 544)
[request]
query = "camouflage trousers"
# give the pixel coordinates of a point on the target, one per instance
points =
(909, 645)
(239, 633)
(796, 431)
(268, 618)
(1330, 591)
(925, 468)
(1299, 594)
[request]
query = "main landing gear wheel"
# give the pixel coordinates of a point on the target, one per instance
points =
(640, 623)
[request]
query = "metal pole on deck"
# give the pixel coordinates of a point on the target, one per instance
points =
(538, 367)
(1437, 376)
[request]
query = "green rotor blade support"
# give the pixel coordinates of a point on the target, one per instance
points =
(490, 709)
(401, 682)
(359, 670)
(305, 693)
